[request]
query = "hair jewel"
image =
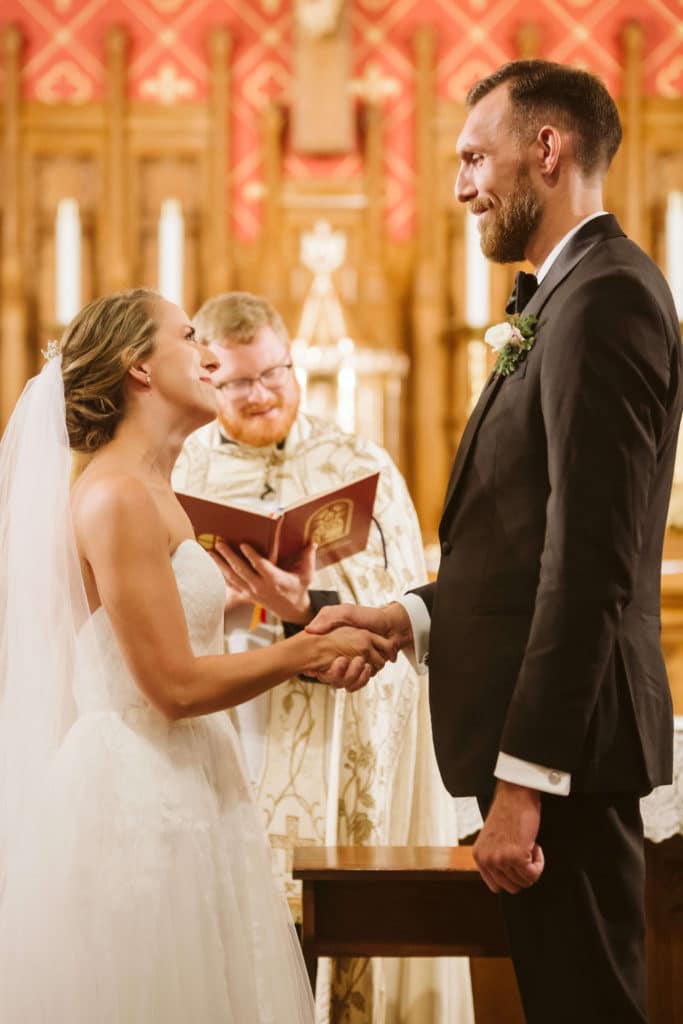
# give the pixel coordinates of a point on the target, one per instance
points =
(52, 350)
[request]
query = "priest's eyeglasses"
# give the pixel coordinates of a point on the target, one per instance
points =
(274, 378)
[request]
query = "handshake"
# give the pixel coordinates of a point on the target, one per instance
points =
(344, 645)
(349, 643)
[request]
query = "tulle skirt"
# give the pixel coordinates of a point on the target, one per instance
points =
(143, 891)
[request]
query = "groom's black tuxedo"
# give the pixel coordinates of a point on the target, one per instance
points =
(545, 615)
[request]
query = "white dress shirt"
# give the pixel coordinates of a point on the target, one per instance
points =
(508, 768)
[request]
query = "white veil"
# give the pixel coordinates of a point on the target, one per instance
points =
(42, 599)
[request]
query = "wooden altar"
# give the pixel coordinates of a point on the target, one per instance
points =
(430, 901)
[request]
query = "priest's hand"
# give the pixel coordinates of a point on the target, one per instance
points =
(506, 852)
(390, 621)
(253, 579)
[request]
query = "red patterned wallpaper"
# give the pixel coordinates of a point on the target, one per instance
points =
(63, 60)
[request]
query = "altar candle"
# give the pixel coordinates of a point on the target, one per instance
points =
(68, 260)
(346, 398)
(171, 241)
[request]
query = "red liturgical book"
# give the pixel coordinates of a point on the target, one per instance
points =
(337, 521)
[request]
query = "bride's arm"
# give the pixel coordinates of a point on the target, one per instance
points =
(122, 538)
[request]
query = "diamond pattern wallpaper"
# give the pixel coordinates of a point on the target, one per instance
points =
(63, 60)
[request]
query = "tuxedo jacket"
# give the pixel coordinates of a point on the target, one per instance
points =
(545, 615)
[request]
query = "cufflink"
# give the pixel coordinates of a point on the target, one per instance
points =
(554, 778)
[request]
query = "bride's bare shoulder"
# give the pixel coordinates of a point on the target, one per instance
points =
(109, 500)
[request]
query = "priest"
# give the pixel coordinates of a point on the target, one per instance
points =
(328, 767)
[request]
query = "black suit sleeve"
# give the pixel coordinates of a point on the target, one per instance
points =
(319, 599)
(605, 380)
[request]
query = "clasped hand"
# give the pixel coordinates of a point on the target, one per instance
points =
(347, 658)
(344, 657)
(390, 621)
(381, 631)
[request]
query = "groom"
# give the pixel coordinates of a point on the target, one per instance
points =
(549, 694)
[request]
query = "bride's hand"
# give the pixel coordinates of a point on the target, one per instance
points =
(348, 658)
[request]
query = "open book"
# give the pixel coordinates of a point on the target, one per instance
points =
(337, 521)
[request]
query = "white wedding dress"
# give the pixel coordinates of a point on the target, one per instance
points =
(144, 894)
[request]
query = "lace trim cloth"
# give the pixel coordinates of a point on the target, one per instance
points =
(662, 810)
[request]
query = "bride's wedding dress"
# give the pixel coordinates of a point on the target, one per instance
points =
(144, 894)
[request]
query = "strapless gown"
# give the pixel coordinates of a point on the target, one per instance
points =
(146, 893)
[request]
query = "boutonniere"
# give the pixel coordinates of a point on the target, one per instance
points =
(512, 340)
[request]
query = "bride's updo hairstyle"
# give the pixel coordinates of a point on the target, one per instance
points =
(98, 348)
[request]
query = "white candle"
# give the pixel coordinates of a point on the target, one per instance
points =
(346, 382)
(346, 398)
(674, 248)
(477, 277)
(171, 239)
(68, 260)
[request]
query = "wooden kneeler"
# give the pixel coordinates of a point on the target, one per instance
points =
(364, 901)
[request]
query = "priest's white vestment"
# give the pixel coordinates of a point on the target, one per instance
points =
(330, 767)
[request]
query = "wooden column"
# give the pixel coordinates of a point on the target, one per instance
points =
(376, 308)
(430, 456)
(115, 271)
(272, 271)
(322, 107)
(14, 365)
(632, 40)
(217, 271)
(374, 156)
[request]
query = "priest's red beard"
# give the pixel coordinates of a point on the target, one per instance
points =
(506, 231)
(248, 424)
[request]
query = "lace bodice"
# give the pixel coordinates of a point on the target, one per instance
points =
(103, 682)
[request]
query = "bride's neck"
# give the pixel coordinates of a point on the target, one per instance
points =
(148, 448)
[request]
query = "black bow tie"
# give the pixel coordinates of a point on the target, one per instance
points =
(523, 289)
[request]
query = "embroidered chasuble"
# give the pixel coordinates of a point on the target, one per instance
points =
(331, 767)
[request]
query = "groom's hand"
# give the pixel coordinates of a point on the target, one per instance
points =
(506, 851)
(390, 621)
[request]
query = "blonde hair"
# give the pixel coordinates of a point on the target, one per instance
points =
(234, 318)
(100, 345)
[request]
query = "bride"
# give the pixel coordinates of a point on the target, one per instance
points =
(135, 879)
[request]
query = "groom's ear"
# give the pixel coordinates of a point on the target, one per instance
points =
(548, 146)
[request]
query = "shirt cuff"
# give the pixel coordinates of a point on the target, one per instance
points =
(534, 776)
(420, 623)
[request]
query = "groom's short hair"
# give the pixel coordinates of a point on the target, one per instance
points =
(575, 100)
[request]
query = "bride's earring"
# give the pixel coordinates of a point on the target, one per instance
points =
(148, 379)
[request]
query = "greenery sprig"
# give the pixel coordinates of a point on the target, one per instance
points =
(512, 340)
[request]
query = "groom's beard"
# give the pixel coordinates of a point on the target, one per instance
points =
(505, 233)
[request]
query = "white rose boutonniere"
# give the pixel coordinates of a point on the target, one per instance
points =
(512, 340)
